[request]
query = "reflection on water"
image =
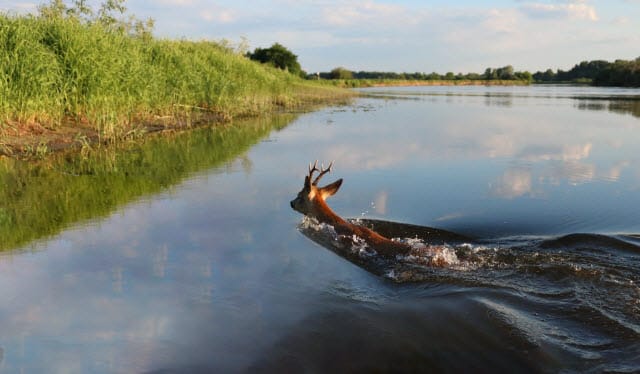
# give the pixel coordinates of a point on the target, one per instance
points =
(625, 106)
(41, 198)
(526, 145)
(618, 100)
(183, 255)
(621, 106)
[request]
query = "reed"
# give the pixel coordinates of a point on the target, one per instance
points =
(56, 70)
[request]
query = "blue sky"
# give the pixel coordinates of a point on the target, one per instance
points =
(424, 36)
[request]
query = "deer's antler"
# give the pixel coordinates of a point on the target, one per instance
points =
(322, 171)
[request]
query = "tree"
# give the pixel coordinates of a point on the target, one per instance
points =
(505, 72)
(619, 73)
(549, 75)
(278, 56)
(490, 73)
(524, 76)
(341, 73)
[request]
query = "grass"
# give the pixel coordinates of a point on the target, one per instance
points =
(59, 71)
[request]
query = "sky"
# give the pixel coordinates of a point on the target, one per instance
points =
(406, 35)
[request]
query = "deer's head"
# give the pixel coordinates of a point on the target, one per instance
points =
(311, 199)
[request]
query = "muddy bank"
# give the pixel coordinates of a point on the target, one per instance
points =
(35, 141)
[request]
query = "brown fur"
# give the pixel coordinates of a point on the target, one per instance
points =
(311, 202)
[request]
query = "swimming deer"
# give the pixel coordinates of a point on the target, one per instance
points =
(311, 202)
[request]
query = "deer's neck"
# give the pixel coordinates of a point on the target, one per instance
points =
(323, 213)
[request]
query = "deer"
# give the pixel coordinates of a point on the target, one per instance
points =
(311, 202)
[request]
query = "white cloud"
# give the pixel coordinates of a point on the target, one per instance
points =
(499, 30)
(176, 2)
(365, 13)
(380, 202)
(576, 152)
(406, 36)
(218, 15)
(622, 20)
(513, 183)
(18, 7)
(614, 171)
(572, 171)
(502, 21)
(574, 10)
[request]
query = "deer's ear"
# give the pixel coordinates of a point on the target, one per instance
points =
(331, 189)
(307, 182)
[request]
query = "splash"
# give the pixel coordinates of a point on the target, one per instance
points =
(428, 255)
(353, 243)
(421, 254)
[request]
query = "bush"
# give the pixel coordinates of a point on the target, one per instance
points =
(278, 56)
(341, 73)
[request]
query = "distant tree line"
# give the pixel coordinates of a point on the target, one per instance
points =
(598, 72)
(503, 73)
(622, 73)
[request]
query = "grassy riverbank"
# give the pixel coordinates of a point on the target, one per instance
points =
(68, 81)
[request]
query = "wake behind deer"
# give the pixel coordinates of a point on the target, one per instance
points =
(380, 251)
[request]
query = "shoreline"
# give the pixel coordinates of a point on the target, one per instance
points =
(464, 82)
(363, 83)
(77, 82)
(33, 140)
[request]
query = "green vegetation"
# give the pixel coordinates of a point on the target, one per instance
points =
(41, 198)
(620, 73)
(599, 72)
(341, 73)
(278, 56)
(71, 66)
(359, 83)
(505, 73)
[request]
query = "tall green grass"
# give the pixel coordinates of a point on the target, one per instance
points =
(59, 69)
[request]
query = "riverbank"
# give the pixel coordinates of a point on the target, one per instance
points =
(68, 83)
(36, 140)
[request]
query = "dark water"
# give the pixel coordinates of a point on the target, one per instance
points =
(202, 266)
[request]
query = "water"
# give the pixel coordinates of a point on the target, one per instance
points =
(184, 255)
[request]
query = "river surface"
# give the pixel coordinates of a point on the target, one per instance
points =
(183, 255)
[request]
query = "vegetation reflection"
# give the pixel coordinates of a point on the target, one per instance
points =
(42, 198)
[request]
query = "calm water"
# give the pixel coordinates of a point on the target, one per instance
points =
(184, 255)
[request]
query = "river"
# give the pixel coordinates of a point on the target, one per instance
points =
(182, 254)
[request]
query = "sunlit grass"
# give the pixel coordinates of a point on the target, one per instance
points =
(60, 70)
